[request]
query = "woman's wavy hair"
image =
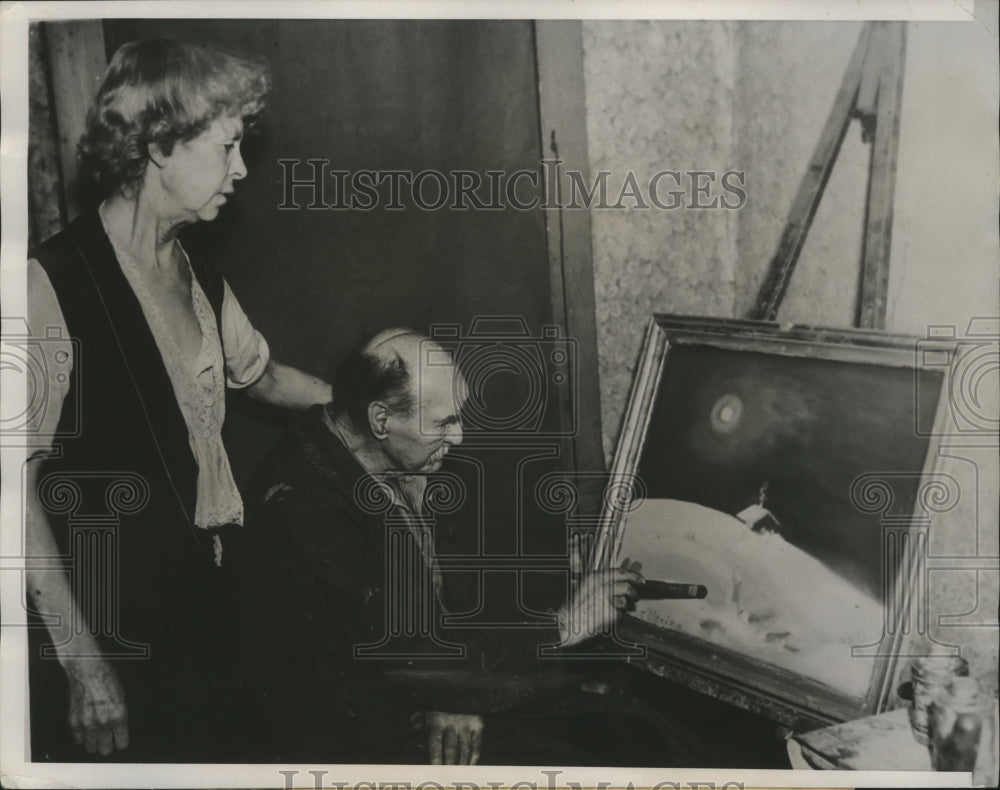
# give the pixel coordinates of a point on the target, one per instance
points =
(164, 92)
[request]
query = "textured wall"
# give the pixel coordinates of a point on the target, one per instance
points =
(945, 238)
(715, 96)
(659, 97)
(787, 77)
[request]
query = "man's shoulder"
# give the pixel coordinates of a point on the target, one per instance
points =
(303, 478)
(299, 520)
(289, 474)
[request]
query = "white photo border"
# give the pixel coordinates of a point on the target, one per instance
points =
(15, 770)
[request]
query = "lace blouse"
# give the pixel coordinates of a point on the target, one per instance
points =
(237, 360)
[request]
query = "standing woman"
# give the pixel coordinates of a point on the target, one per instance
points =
(145, 653)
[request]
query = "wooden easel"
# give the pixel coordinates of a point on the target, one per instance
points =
(872, 90)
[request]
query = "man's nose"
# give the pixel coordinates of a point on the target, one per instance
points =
(454, 434)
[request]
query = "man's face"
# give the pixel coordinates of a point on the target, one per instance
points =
(418, 442)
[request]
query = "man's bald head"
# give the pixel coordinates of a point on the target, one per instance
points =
(389, 368)
(404, 345)
(401, 397)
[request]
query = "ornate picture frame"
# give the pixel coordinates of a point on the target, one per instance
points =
(790, 469)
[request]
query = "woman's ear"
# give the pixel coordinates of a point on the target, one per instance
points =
(155, 154)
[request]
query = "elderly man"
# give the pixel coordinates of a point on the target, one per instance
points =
(343, 596)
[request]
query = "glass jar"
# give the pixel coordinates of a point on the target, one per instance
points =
(930, 675)
(963, 731)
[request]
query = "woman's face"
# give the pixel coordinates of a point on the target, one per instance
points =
(198, 176)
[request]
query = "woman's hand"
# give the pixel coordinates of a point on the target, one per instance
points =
(98, 717)
(452, 738)
(288, 387)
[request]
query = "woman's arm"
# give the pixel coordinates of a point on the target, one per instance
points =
(96, 707)
(247, 352)
(97, 715)
(283, 385)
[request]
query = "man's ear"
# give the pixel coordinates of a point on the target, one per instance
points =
(378, 416)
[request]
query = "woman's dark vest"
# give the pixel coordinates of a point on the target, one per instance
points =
(123, 453)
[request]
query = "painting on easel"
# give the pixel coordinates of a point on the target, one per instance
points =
(755, 449)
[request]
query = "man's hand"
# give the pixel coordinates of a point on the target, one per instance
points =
(98, 717)
(598, 600)
(453, 738)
